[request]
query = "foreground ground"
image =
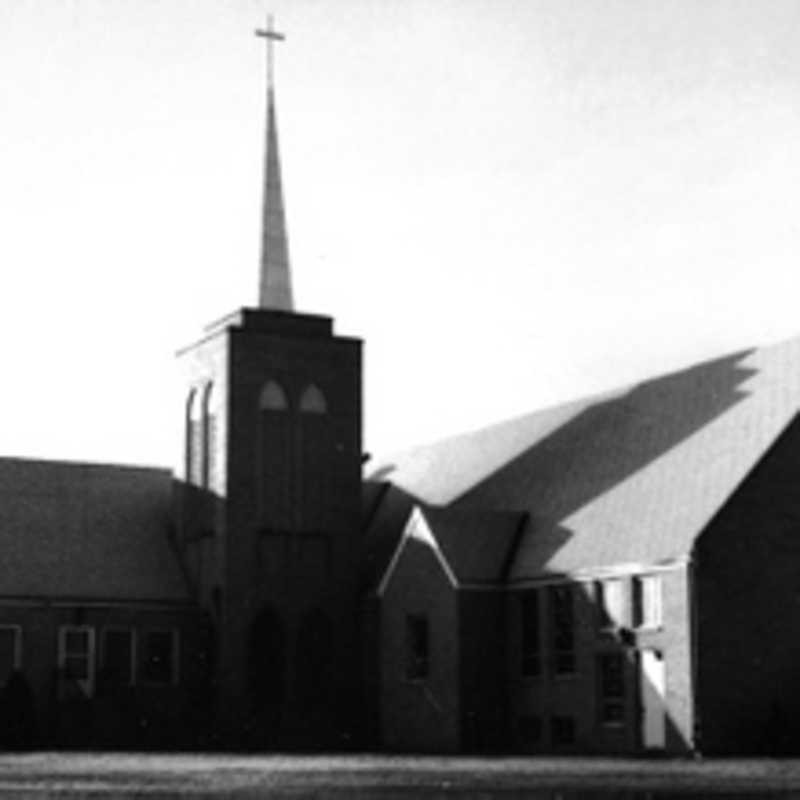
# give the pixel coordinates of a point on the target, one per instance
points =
(38, 775)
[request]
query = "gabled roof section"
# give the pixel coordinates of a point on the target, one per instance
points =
(477, 545)
(473, 547)
(87, 531)
(632, 476)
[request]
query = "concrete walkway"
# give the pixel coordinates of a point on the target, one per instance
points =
(37, 775)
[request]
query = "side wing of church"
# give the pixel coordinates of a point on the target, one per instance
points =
(650, 598)
(615, 575)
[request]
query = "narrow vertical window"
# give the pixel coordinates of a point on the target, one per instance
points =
(76, 658)
(611, 686)
(562, 731)
(209, 438)
(529, 729)
(10, 651)
(562, 629)
(610, 601)
(647, 601)
(315, 455)
(530, 635)
(417, 647)
(192, 419)
(160, 657)
(118, 654)
(276, 458)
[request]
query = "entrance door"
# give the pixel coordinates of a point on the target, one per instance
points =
(652, 693)
(266, 668)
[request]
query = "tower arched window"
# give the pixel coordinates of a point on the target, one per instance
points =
(272, 397)
(275, 457)
(194, 437)
(210, 438)
(312, 400)
(316, 458)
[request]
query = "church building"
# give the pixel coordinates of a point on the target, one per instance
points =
(620, 574)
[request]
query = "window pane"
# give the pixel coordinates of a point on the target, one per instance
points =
(647, 601)
(610, 598)
(8, 639)
(159, 657)
(117, 653)
(530, 730)
(76, 667)
(563, 730)
(416, 647)
(611, 669)
(76, 642)
(531, 655)
(313, 401)
(562, 630)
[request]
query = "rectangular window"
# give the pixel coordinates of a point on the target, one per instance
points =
(611, 685)
(417, 647)
(647, 601)
(195, 445)
(210, 467)
(10, 651)
(531, 649)
(562, 629)
(76, 655)
(611, 603)
(562, 731)
(118, 656)
(160, 658)
(529, 727)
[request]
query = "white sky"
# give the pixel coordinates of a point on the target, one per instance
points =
(514, 202)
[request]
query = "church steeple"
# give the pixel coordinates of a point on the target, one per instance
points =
(275, 283)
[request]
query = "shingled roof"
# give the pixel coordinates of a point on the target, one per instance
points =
(629, 477)
(86, 531)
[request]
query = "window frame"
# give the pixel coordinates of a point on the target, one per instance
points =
(560, 655)
(417, 659)
(610, 619)
(133, 650)
(17, 655)
(88, 683)
(611, 706)
(313, 400)
(648, 606)
(144, 679)
(563, 722)
(272, 397)
(530, 634)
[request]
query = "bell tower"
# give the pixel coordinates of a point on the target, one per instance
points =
(269, 500)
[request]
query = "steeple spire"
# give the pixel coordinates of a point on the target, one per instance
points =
(275, 285)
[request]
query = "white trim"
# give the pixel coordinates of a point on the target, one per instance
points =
(599, 573)
(416, 528)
